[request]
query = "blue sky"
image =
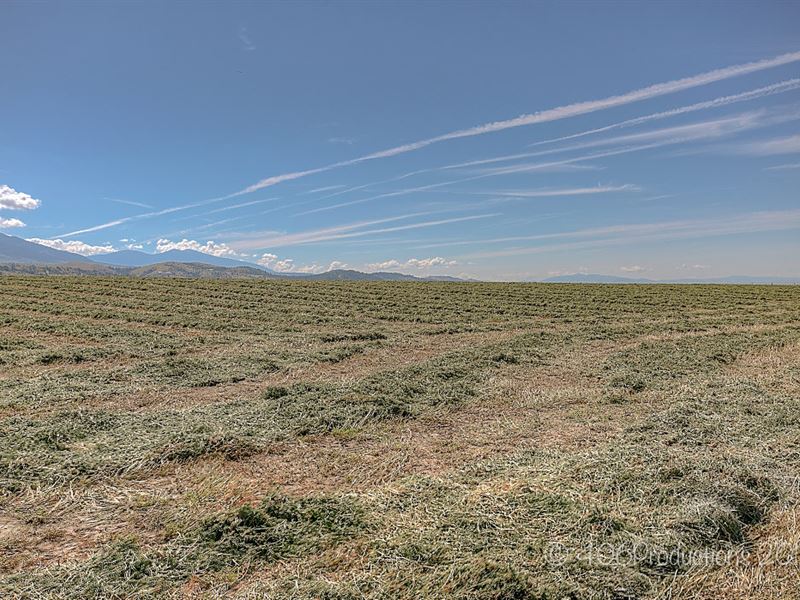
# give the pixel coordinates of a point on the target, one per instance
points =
(496, 140)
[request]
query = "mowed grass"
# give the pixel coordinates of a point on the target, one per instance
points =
(290, 439)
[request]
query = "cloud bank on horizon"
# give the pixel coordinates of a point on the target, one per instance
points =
(694, 168)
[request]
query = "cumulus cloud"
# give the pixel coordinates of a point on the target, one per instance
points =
(281, 265)
(210, 247)
(412, 264)
(688, 267)
(11, 199)
(633, 269)
(8, 223)
(74, 246)
(267, 259)
(383, 266)
(287, 265)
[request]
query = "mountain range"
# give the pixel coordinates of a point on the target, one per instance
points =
(135, 258)
(732, 279)
(16, 250)
(21, 256)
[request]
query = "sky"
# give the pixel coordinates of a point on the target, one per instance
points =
(495, 140)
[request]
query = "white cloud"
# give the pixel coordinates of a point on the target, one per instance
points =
(234, 206)
(281, 265)
(284, 266)
(412, 264)
(156, 213)
(782, 145)
(616, 235)
(210, 247)
(648, 140)
(540, 117)
(427, 263)
(553, 114)
(383, 266)
(326, 188)
(546, 193)
(528, 193)
(783, 86)
(9, 223)
(267, 259)
(287, 265)
(654, 138)
(244, 38)
(633, 269)
(130, 203)
(788, 167)
(688, 267)
(100, 227)
(274, 239)
(775, 88)
(413, 190)
(74, 246)
(11, 199)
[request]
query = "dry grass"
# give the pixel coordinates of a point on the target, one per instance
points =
(291, 439)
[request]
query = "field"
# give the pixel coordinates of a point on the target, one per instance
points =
(289, 439)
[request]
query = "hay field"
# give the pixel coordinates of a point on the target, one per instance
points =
(287, 439)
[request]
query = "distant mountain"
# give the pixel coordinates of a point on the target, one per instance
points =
(124, 258)
(198, 271)
(449, 278)
(196, 264)
(594, 278)
(16, 250)
(134, 258)
(744, 279)
(732, 279)
(21, 256)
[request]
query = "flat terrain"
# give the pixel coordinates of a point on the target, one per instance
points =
(288, 439)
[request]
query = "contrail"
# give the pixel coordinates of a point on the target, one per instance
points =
(776, 88)
(545, 116)
(553, 114)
